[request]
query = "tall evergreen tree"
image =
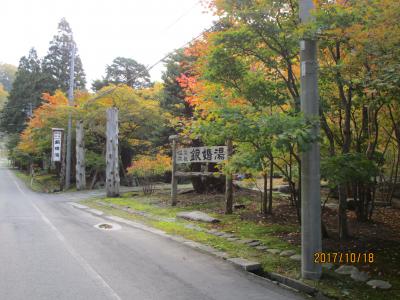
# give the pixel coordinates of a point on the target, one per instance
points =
(7, 75)
(128, 71)
(29, 84)
(57, 61)
(173, 98)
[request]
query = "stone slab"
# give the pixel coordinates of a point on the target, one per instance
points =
(359, 276)
(287, 253)
(246, 241)
(346, 270)
(197, 216)
(245, 264)
(295, 257)
(274, 251)
(380, 284)
(261, 247)
(254, 244)
(232, 239)
(228, 235)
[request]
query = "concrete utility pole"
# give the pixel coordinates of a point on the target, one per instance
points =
(112, 168)
(70, 103)
(310, 160)
(80, 157)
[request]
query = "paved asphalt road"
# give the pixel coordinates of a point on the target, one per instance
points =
(50, 250)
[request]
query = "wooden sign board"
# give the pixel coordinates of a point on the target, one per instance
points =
(57, 144)
(214, 154)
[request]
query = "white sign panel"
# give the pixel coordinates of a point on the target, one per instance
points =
(213, 154)
(57, 145)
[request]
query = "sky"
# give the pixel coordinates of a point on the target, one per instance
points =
(145, 30)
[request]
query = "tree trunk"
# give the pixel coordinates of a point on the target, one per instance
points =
(264, 203)
(271, 180)
(343, 231)
(112, 162)
(80, 157)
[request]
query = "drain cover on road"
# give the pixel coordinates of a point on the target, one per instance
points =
(108, 226)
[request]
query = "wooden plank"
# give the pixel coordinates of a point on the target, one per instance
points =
(197, 174)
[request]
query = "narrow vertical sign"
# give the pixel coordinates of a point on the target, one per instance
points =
(57, 144)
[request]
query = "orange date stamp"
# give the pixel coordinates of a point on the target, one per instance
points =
(344, 257)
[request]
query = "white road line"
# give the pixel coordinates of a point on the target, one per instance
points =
(84, 264)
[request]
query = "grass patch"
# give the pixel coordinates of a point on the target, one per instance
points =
(331, 284)
(43, 183)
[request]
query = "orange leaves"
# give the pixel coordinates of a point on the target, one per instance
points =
(32, 137)
(146, 166)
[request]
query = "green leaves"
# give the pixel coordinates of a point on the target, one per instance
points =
(348, 168)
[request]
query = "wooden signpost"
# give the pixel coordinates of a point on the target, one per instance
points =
(212, 154)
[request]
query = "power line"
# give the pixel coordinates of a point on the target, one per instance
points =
(180, 17)
(153, 65)
(147, 69)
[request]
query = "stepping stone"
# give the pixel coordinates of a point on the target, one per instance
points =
(232, 239)
(274, 251)
(197, 216)
(359, 276)
(245, 264)
(254, 244)
(296, 257)
(194, 227)
(346, 270)
(327, 266)
(219, 234)
(212, 231)
(246, 241)
(228, 235)
(261, 247)
(287, 253)
(380, 284)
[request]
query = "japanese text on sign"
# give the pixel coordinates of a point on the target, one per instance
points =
(201, 154)
(57, 144)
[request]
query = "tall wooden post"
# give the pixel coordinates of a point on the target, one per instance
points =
(80, 157)
(112, 169)
(63, 150)
(174, 181)
(229, 184)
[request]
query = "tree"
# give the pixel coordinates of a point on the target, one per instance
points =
(128, 71)
(29, 85)
(98, 84)
(7, 75)
(3, 96)
(57, 61)
(173, 99)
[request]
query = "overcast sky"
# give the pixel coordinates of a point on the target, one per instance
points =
(144, 30)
